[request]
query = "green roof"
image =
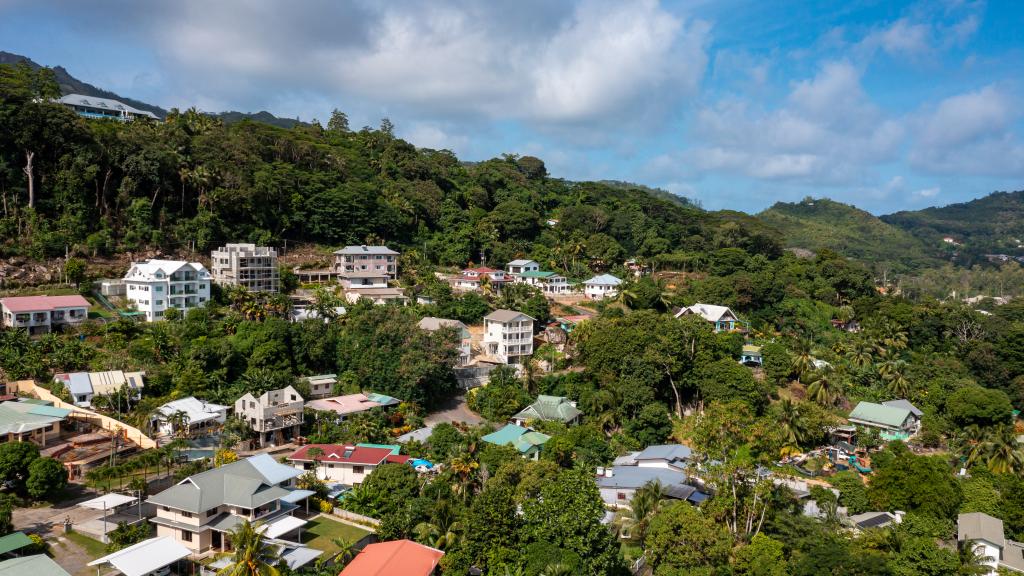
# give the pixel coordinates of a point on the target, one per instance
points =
(36, 565)
(536, 274)
(21, 417)
(549, 408)
(13, 542)
(395, 448)
(872, 413)
(522, 439)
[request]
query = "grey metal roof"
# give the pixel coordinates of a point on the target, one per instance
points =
(102, 104)
(79, 383)
(358, 250)
(872, 519)
(521, 262)
(979, 526)
(505, 316)
(667, 452)
(37, 565)
(633, 477)
(248, 483)
(904, 404)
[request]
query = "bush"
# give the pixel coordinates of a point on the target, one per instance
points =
(46, 477)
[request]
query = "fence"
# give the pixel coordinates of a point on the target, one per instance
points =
(98, 420)
(357, 518)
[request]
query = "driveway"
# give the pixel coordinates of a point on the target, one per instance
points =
(45, 519)
(453, 410)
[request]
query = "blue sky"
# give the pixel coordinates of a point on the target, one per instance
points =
(883, 104)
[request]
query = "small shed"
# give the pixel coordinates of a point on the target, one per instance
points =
(751, 355)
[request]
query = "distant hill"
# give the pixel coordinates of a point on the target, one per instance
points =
(656, 192)
(71, 85)
(818, 224)
(990, 225)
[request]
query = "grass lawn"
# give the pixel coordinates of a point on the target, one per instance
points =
(94, 548)
(319, 532)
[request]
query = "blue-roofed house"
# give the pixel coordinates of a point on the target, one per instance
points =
(618, 484)
(526, 441)
(601, 287)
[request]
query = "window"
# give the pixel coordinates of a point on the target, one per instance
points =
(186, 514)
(186, 536)
(621, 495)
(158, 288)
(166, 508)
(357, 469)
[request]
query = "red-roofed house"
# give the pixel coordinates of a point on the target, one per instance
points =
(472, 278)
(349, 465)
(39, 314)
(395, 558)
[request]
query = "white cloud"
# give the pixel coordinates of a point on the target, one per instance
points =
(901, 38)
(927, 192)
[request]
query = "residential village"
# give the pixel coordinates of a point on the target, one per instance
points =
(302, 464)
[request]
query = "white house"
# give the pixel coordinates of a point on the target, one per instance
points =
(40, 314)
(508, 336)
(985, 533)
(348, 465)
(432, 324)
(517, 267)
(721, 317)
(83, 386)
(601, 287)
(154, 286)
(202, 417)
(547, 281)
(471, 279)
(367, 259)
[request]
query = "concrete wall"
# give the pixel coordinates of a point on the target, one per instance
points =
(98, 420)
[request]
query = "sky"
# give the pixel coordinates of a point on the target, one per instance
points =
(886, 105)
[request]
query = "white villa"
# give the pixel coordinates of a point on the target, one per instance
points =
(154, 286)
(202, 417)
(601, 287)
(517, 267)
(723, 319)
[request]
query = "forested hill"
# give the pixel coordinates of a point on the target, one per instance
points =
(990, 225)
(816, 224)
(106, 187)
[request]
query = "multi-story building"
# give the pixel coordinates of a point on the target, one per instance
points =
(41, 314)
(103, 108)
(275, 416)
(348, 465)
(508, 336)
(154, 286)
(351, 259)
(517, 267)
(601, 287)
(474, 278)
(248, 265)
(202, 509)
(548, 282)
(465, 339)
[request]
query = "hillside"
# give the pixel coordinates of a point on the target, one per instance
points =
(824, 224)
(990, 225)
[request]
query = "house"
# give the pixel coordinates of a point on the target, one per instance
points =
(321, 386)
(751, 355)
(248, 265)
(601, 287)
(84, 386)
(526, 441)
(517, 267)
(851, 326)
(154, 286)
(200, 510)
(905, 404)
(275, 417)
(465, 339)
(985, 533)
(200, 417)
(151, 556)
(866, 520)
(472, 279)
(349, 404)
(508, 336)
(30, 422)
(345, 464)
(42, 314)
(397, 557)
(618, 484)
(723, 319)
(895, 422)
(667, 456)
(548, 282)
(371, 285)
(556, 408)
(103, 108)
(380, 259)
(36, 565)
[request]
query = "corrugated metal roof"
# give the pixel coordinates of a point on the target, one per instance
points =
(604, 279)
(37, 565)
(879, 414)
(146, 556)
(14, 541)
(41, 303)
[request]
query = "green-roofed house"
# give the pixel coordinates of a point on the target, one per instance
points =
(526, 441)
(556, 408)
(14, 542)
(35, 565)
(548, 282)
(31, 422)
(897, 422)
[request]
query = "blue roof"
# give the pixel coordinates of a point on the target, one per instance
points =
(668, 452)
(604, 279)
(636, 476)
(78, 383)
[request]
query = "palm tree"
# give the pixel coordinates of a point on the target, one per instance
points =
(792, 423)
(556, 569)
(860, 355)
(821, 388)
(442, 530)
(643, 506)
(252, 555)
(346, 551)
(973, 560)
(999, 451)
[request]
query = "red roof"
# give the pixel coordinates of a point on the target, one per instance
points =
(398, 458)
(39, 303)
(395, 558)
(342, 453)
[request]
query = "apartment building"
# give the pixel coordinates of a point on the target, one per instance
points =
(351, 259)
(248, 265)
(154, 286)
(202, 509)
(348, 465)
(275, 417)
(433, 324)
(508, 336)
(42, 314)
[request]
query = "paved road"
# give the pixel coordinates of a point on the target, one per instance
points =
(453, 410)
